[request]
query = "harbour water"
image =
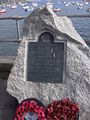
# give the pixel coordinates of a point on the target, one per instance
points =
(8, 27)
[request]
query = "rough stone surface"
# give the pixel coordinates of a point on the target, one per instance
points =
(77, 83)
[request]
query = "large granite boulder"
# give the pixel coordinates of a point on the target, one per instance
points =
(77, 78)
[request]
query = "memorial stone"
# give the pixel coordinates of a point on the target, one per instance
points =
(53, 62)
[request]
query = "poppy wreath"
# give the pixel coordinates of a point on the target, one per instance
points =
(63, 110)
(57, 110)
(31, 105)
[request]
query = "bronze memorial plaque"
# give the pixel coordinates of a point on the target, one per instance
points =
(45, 62)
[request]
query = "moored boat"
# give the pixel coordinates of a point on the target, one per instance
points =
(57, 10)
(65, 2)
(2, 11)
(88, 10)
(59, 2)
(66, 5)
(34, 4)
(73, 3)
(22, 4)
(26, 8)
(86, 3)
(13, 6)
(81, 4)
(79, 7)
